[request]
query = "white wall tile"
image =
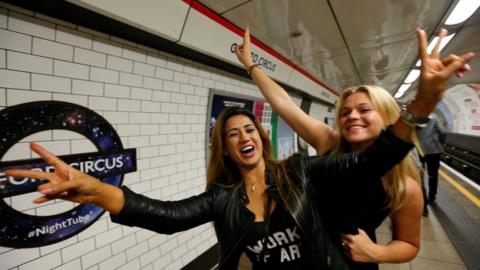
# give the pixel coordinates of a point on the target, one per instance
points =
(3, 18)
(128, 130)
(30, 63)
(3, 59)
(48, 261)
(108, 237)
(16, 257)
(3, 97)
(129, 105)
(96, 256)
(156, 60)
(181, 77)
(51, 83)
(116, 117)
(178, 98)
(132, 265)
(52, 49)
(73, 37)
(171, 86)
(113, 262)
(123, 244)
(119, 91)
(139, 118)
(14, 79)
(87, 88)
(102, 103)
(103, 75)
(164, 73)
(161, 96)
(89, 57)
(120, 64)
(149, 257)
(82, 146)
(107, 46)
(130, 79)
(150, 106)
(137, 250)
(141, 93)
(28, 25)
(134, 54)
(152, 83)
(69, 69)
(15, 41)
(143, 69)
(78, 250)
(15, 97)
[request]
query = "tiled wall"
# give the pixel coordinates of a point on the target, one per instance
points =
(156, 102)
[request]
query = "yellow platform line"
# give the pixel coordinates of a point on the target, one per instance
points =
(456, 185)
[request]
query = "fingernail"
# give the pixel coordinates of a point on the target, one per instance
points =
(46, 191)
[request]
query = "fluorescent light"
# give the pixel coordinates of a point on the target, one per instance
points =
(403, 88)
(444, 43)
(462, 11)
(412, 76)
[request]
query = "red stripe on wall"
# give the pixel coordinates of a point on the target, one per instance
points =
(235, 29)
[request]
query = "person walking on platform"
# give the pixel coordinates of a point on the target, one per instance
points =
(431, 138)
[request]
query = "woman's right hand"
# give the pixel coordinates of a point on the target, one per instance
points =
(70, 184)
(243, 52)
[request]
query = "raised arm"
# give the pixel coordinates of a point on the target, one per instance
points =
(126, 207)
(315, 132)
(434, 75)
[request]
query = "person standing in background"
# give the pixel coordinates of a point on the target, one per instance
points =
(431, 138)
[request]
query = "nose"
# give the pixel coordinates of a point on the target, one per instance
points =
(353, 115)
(243, 136)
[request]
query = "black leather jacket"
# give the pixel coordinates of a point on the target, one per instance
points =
(226, 206)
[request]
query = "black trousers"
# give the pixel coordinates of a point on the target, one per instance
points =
(433, 164)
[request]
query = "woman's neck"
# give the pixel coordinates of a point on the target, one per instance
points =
(254, 175)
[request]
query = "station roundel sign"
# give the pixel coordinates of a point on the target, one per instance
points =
(109, 163)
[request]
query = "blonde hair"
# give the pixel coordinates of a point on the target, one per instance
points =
(385, 105)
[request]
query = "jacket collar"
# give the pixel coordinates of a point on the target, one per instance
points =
(272, 188)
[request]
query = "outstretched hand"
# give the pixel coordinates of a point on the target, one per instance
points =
(65, 182)
(435, 71)
(243, 52)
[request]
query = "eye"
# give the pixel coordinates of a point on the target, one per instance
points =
(344, 113)
(232, 134)
(250, 129)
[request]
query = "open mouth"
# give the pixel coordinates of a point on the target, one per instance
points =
(247, 149)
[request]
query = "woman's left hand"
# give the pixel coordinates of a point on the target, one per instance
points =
(359, 247)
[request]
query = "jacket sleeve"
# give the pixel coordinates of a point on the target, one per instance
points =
(165, 217)
(374, 161)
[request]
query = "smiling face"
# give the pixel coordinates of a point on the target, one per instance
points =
(242, 142)
(359, 122)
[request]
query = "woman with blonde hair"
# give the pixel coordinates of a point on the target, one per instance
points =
(362, 113)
